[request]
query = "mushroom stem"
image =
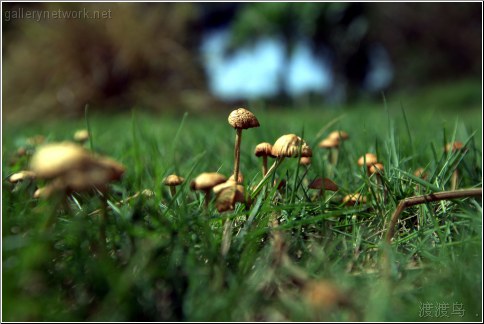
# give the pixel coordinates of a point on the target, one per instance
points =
(334, 156)
(264, 166)
(172, 191)
(238, 139)
(207, 198)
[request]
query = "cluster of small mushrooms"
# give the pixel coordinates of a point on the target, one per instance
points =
(68, 167)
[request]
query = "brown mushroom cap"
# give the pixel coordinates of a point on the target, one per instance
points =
(207, 180)
(263, 149)
(377, 168)
(52, 160)
(339, 135)
(320, 183)
(288, 146)
(324, 295)
(228, 193)
(454, 146)
(21, 175)
(368, 158)
(329, 143)
(173, 180)
(305, 160)
(354, 198)
(242, 118)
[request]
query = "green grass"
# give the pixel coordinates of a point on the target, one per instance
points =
(162, 257)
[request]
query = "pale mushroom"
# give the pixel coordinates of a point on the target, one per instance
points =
(173, 181)
(451, 148)
(205, 182)
(240, 119)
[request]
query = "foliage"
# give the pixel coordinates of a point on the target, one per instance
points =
(141, 54)
(162, 262)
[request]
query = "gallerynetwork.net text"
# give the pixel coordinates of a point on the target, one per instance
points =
(39, 15)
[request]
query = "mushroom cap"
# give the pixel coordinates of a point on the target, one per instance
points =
(242, 118)
(339, 135)
(454, 146)
(52, 160)
(368, 158)
(354, 198)
(377, 168)
(173, 180)
(288, 146)
(305, 160)
(329, 142)
(320, 183)
(263, 149)
(207, 180)
(81, 135)
(21, 175)
(228, 193)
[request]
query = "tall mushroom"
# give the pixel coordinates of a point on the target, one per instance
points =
(263, 150)
(332, 142)
(240, 119)
(205, 182)
(367, 160)
(323, 184)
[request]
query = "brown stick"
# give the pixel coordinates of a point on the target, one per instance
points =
(416, 200)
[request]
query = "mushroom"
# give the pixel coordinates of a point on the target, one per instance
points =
(227, 194)
(332, 142)
(367, 160)
(81, 136)
(173, 181)
(263, 149)
(70, 168)
(205, 182)
(324, 296)
(353, 199)
(323, 184)
(305, 160)
(240, 119)
(451, 148)
(289, 145)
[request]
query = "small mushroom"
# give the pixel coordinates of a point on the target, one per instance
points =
(323, 184)
(332, 143)
(205, 182)
(367, 160)
(323, 295)
(420, 172)
(353, 199)
(263, 150)
(240, 119)
(339, 135)
(240, 180)
(173, 181)
(305, 160)
(81, 136)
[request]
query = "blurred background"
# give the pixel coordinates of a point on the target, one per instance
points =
(201, 57)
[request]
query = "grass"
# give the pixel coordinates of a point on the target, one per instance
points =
(162, 260)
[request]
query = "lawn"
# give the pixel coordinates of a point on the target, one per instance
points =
(295, 254)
